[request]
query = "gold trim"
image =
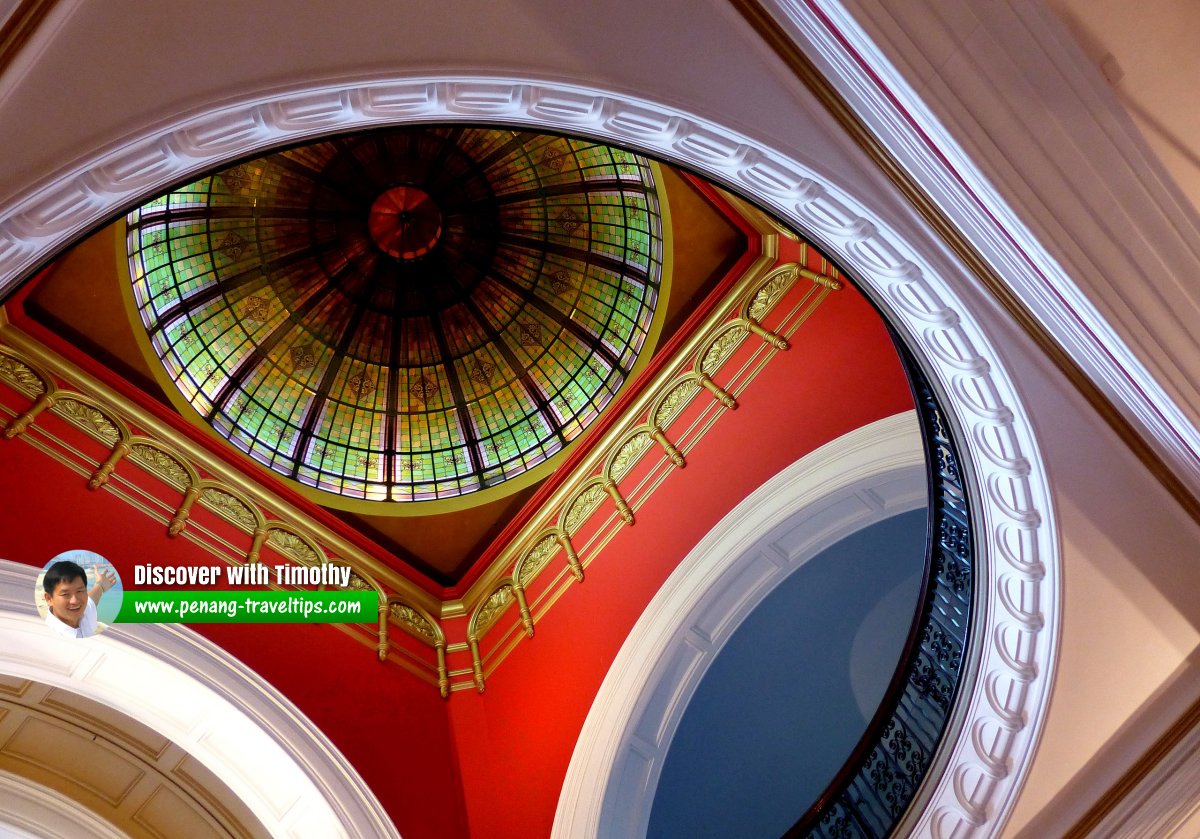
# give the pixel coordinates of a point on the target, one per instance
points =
(180, 519)
(91, 418)
(582, 506)
(419, 624)
(179, 462)
(792, 321)
(523, 606)
(476, 665)
(572, 557)
(490, 609)
(610, 486)
(719, 393)
(672, 403)
(229, 505)
(290, 541)
(21, 422)
(536, 558)
(569, 494)
(720, 348)
(26, 377)
(443, 682)
(210, 544)
(660, 437)
(585, 501)
(777, 341)
(577, 501)
(165, 462)
(665, 279)
(627, 452)
(187, 452)
(104, 472)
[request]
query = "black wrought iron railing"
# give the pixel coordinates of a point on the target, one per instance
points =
(875, 787)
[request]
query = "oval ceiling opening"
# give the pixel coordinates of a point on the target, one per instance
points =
(403, 315)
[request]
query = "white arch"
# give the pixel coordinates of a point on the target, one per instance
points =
(977, 778)
(191, 691)
(863, 477)
(32, 811)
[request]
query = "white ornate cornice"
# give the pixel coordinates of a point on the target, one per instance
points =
(1001, 712)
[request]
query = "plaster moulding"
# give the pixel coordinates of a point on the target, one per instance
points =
(1017, 552)
(194, 693)
(1163, 804)
(863, 477)
(32, 811)
(1130, 336)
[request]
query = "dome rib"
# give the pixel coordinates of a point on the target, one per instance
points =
(411, 314)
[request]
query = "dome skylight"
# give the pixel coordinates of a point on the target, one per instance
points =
(412, 314)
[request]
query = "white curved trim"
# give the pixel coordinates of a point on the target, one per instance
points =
(32, 811)
(863, 477)
(1017, 551)
(194, 693)
(1151, 383)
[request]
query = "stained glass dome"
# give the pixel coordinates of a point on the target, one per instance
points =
(404, 315)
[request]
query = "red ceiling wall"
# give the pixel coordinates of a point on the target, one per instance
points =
(392, 727)
(515, 741)
(491, 766)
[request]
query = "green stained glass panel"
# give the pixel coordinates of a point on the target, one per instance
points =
(282, 316)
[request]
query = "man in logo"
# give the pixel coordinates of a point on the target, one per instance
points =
(70, 606)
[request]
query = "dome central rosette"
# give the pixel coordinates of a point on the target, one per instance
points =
(405, 223)
(404, 315)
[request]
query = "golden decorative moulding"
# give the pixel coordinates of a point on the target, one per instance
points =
(603, 488)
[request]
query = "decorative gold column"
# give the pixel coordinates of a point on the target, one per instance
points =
(523, 605)
(610, 486)
(382, 647)
(660, 437)
(476, 662)
(776, 341)
(101, 475)
(260, 536)
(22, 422)
(572, 557)
(821, 279)
(443, 675)
(723, 396)
(179, 522)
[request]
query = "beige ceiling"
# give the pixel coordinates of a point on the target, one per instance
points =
(1147, 51)
(126, 774)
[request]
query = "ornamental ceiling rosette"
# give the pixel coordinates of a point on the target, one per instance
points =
(405, 315)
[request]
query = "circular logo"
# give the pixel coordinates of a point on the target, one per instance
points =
(78, 594)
